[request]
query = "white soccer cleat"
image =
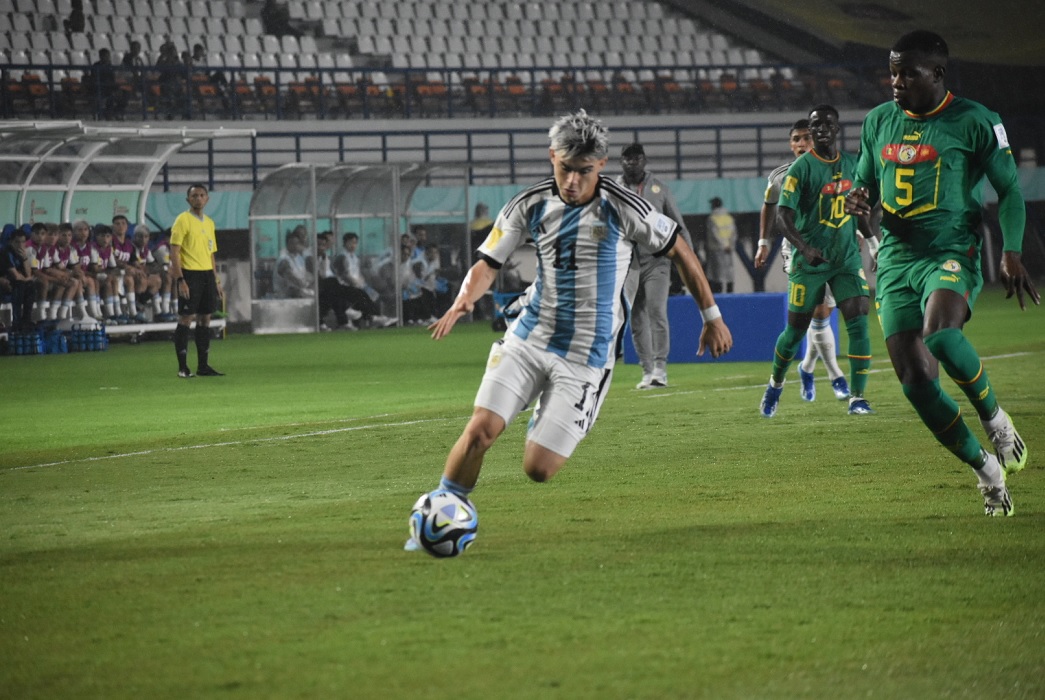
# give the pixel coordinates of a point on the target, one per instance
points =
(996, 500)
(1008, 445)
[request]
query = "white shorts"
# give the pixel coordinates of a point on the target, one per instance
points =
(568, 395)
(786, 253)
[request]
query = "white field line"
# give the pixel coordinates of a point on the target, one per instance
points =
(646, 395)
(233, 443)
(372, 426)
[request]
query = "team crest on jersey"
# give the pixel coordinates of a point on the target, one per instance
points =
(952, 266)
(835, 188)
(598, 232)
(907, 153)
(655, 189)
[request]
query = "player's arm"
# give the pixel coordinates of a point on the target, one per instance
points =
(479, 279)
(715, 335)
(786, 219)
(1012, 216)
(176, 272)
(766, 223)
(671, 210)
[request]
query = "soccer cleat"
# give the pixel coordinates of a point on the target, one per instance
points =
(646, 383)
(770, 400)
(1008, 445)
(996, 500)
(353, 314)
(841, 388)
(808, 387)
(185, 374)
(658, 380)
(858, 406)
(208, 371)
(412, 545)
(383, 321)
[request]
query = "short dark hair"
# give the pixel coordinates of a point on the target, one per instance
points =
(99, 229)
(922, 40)
(800, 125)
(824, 108)
(349, 235)
(196, 185)
(634, 149)
(716, 202)
(119, 217)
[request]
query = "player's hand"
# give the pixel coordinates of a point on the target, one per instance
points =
(761, 255)
(857, 202)
(1016, 279)
(441, 328)
(715, 336)
(813, 255)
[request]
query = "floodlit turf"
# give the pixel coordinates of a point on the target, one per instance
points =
(240, 537)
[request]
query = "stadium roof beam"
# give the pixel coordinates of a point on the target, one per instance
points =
(58, 171)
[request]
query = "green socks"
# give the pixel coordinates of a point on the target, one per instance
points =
(859, 354)
(963, 365)
(942, 416)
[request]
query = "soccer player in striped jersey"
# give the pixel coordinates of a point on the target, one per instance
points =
(821, 336)
(924, 157)
(561, 348)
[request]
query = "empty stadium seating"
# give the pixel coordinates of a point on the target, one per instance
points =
(360, 58)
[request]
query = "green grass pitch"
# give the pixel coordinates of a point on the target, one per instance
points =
(240, 537)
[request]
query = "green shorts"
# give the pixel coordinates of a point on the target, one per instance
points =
(904, 287)
(805, 287)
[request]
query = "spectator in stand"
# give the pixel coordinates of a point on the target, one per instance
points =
(16, 268)
(133, 60)
(275, 18)
(101, 83)
(161, 253)
(76, 22)
(436, 288)
(359, 294)
(171, 79)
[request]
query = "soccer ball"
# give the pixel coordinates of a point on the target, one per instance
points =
(443, 523)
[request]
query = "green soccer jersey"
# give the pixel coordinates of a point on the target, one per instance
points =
(815, 190)
(927, 171)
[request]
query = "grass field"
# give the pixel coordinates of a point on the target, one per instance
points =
(241, 537)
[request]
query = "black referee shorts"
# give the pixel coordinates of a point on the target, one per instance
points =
(203, 294)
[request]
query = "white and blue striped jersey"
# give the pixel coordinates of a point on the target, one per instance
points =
(576, 307)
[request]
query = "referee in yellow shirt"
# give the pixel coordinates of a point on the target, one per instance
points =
(199, 291)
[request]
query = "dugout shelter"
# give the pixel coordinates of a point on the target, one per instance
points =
(374, 201)
(68, 170)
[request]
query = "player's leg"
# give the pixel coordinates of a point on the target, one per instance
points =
(900, 312)
(917, 370)
(465, 460)
(945, 313)
(805, 292)
(635, 289)
(854, 310)
(658, 284)
(566, 411)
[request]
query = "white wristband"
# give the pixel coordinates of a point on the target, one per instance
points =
(763, 242)
(872, 246)
(711, 313)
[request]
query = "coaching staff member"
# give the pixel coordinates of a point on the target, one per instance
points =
(199, 291)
